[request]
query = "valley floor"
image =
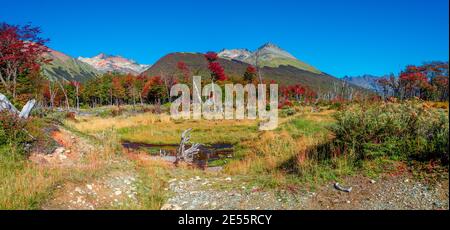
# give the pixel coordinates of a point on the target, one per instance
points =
(91, 170)
(118, 189)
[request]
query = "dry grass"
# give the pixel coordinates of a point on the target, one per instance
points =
(27, 185)
(160, 129)
(89, 124)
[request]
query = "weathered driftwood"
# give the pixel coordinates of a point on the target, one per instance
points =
(5, 104)
(26, 110)
(187, 155)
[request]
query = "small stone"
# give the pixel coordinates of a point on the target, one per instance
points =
(373, 181)
(170, 207)
(197, 178)
(348, 202)
(59, 150)
(117, 193)
(228, 179)
(89, 186)
(78, 190)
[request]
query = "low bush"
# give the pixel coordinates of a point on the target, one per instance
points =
(405, 131)
(13, 133)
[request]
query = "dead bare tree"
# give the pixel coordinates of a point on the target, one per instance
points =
(258, 69)
(65, 93)
(187, 155)
(5, 104)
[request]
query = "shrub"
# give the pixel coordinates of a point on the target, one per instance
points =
(13, 132)
(406, 130)
(287, 112)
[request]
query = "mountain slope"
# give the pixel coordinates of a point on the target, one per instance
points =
(235, 54)
(284, 75)
(64, 67)
(365, 81)
(110, 63)
(268, 55)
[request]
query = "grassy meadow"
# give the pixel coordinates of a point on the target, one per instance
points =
(309, 147)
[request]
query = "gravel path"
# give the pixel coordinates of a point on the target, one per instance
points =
(399, 192)
(115, 191)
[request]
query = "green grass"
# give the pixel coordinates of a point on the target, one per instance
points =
(301, 126)
(276, 62)
(204, 134)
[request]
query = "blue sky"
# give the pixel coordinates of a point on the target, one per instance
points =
(345, 37)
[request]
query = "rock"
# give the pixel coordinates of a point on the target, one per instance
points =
(373, 181)
(78, 190)
(170, 207)
(59, 150)
(228, 179)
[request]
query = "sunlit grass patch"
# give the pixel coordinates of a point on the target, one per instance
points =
(205, 132)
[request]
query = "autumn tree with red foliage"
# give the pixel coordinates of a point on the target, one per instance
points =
(298, 93)
(154, 90)
(184, 69)
(118, 90)
(21, 54)
(217, 72)
(428, 82)
(250, 74)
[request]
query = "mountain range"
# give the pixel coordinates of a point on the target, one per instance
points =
(64, 67)
(274, 62)
(268, 55)
(109, 63)
(366, 81)
(234, 69)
